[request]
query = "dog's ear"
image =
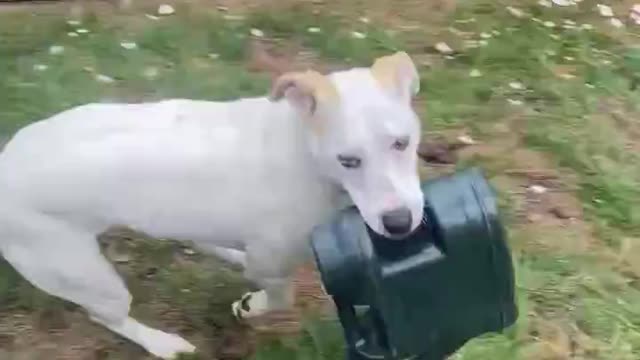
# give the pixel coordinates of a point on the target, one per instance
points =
(397, 74)
(305, 90)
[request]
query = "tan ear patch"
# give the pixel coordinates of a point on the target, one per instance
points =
(310, 82)
(386, 69)
(314, 86)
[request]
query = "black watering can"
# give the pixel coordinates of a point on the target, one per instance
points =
(425, 296)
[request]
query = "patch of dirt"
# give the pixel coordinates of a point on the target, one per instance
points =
(276, 58)
(69, 342)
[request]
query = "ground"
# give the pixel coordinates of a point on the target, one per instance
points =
(546, 93)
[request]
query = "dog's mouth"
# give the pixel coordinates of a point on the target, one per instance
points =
(394, 238)
(399, 237)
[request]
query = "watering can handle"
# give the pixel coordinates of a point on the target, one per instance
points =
(349, 321)
(360, 345)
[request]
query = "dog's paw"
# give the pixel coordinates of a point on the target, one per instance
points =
(167, 346)
(251, 305)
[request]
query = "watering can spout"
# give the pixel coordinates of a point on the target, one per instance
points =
(425, 296)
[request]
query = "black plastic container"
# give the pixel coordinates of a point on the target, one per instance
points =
(425, 296)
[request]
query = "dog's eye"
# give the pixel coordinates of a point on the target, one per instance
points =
(350, 162)
(400, 144)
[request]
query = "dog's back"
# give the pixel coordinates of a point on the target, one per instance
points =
(172, 168)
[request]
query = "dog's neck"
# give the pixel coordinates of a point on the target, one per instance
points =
(283, 134)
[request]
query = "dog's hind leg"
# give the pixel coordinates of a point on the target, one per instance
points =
(66, 262)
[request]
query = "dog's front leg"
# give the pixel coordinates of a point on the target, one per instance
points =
(272, 272)
(277, 294)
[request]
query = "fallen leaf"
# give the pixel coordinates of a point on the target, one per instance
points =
(615, 22)
(256, 32)
(358, 35)
(129, 45)
(104, 79)
(443, 48)
(538, 189)
(605, 10)
(166, 9)
(563, 2)
(56, 49)
(545, 3)
(232, 17)
(515, 102)
(515, 12)
(516, 85)
(466, 140)
(150, 73)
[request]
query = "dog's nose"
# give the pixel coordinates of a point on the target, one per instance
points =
(397, 221)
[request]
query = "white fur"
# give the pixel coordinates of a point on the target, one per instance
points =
(245, 180)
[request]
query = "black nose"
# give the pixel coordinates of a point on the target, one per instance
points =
(397, 221)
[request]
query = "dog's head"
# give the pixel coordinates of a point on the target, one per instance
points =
(364, 135)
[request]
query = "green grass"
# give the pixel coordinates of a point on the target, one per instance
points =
(564, 118)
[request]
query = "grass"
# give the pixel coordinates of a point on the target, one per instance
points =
(577, 108)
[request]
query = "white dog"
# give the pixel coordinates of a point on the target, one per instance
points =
(245, 180)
